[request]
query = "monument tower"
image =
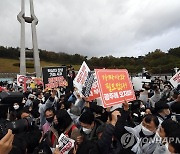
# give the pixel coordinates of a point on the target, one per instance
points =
(33, 21)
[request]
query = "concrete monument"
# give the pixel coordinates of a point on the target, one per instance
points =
(33, 21)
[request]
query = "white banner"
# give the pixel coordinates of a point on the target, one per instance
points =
(175, 80)
(81, 76)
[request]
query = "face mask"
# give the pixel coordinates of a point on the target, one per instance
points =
(56, 126)
(50, 119)
(16, 107)
(146, 131)
(86, 131)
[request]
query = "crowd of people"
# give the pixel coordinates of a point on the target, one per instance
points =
(147, 125)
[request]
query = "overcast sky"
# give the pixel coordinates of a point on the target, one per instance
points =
(96, 27)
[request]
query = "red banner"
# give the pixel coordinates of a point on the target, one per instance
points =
(115, 86)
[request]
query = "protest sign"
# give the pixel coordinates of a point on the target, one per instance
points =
(54, 77)
(115, 86)
(65, 144)
(138, 82)
(88, 84)
(81, 77)
(20, 79)
(175, 80)
(94, 93)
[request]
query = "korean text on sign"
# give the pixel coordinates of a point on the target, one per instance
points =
(115, 86)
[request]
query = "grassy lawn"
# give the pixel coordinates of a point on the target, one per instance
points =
(6, 66)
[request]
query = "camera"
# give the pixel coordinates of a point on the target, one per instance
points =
(150, 85)
(16, 126)
(135, 111)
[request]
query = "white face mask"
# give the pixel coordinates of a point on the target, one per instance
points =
(16, 107)
(86, 131)
(146, 131)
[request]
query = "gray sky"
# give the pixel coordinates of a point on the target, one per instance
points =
(96, 27)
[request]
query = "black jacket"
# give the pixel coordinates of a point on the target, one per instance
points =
(105, 143)
(92, 136)
(120, 131)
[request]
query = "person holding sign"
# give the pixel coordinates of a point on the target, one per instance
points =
(62, 123)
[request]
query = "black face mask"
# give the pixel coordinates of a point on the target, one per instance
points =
(57, 127)
(50, 119)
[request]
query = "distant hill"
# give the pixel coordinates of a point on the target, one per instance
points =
(10, 65)
(155, 62)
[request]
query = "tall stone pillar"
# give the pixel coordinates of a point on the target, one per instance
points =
(34, 21)
(22, 41)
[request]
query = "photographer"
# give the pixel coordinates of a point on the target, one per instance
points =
(6, 143)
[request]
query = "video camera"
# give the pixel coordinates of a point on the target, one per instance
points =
(18, 126)
(136, 111)
(152, 85)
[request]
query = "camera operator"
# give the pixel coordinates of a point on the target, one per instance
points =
(6, 143)
(33, 135)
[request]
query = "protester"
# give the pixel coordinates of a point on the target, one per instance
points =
(49, 103)
(92, 128)
(30, 100)
(14, 112)
(89, 125)
(175, 106)
(49, 114)
(147, 129)
(162, 111)
(164, 133)
(62, 124)
(107, 142)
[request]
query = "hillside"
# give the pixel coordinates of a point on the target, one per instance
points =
(6, 65)
(156, 62)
